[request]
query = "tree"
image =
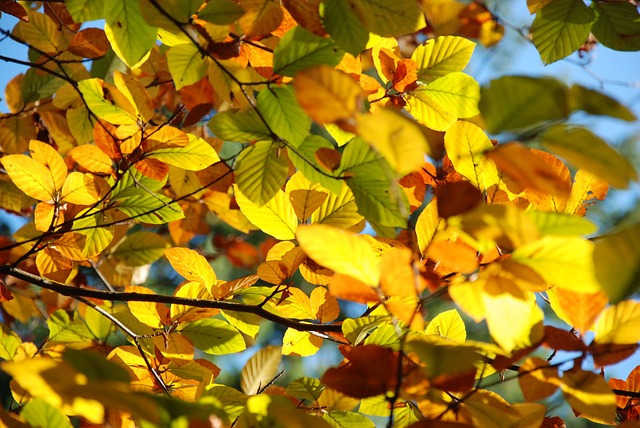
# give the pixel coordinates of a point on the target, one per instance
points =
(335, 155)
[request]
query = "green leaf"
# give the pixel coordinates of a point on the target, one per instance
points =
(617, 263)
(428, 112)
(386, 335)
(617, 25)
(85, 10)
(37, 86)
(550, 223)
(213, 336)
(300, 49)
(131, 182)
(95, 226)
(594, 102)
(261, 171)
(9, 343)
(441, 56)
(195, 156)
(95, 366)
(261, 368)
(233, 401)
(390, 19)
(186, 64)
(357, 329)
(221, 12)
(560, 28)
(343, 25)
(247, 323)
(94, 97)
(284, 115)
(457, 93)
(306, 388)
(130, 36)
(378, 196)
(63, 330)
(276, 218)
(585, 150)
(140, 248)
(520, 102)
(338, 210)
(39, 413)
(239, 126)
(345, 419)
(304, 159)
(150, 208)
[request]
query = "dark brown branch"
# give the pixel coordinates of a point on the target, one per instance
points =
(75, 292)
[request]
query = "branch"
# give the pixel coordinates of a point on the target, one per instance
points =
(76, 292)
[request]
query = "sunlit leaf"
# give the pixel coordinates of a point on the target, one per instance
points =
(281, 111)
(449, 325)
(277, 217)
(261, 16)
(221, 12)
(130, 36)
(186, 64)
(261, 369)
(140, 248)
(261, 171)
(213, 336)
(589, 395)
(300, 49)
(617, 258)
(191, 265)
(93, 93)
(195, 156)
(300, 343)
(30, 176)
(617, 324)
(442, 55)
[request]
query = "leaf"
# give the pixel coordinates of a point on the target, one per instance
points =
(300, 343)
(52, 265)
(305, 388)
(85, 10)
(261, 171)
(397, 19)
(537, 379)
(598, 103)
(261, 16)
(30, 176)
(378, 197)
(150, 208)
(617, 260)
(41, 32)
(457, 93)
(449, 325)
(239, 126)
(617, 324)
(130, 36)
(213, 336)
(441, 56)
(428, 112)
(561, 224)
(247, 323)
(281, 111)
(153, 314)
(616, 26)
(304, 159)
(195, 156)
(589, 395)
(579, 310)
(261, 369)
(186, 64)
(340, 251)
(38, 412)
(276, 218)
(565, 262)
(140, 248)
(328, 95)
(560, 28)
(396, 137)
(586, 188)
(466, 146)
(585, 150)
(92, 159)
(89, 43)
(221, 12)
(83, 189)
(305, 197)
(338, 210)
(344, 419)
(370, 372)
(521, 102)
(342, 23)
(427, 225)
(300, 49)
(94, 96)
(191, 266)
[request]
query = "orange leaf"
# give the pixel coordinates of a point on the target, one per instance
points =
(537, 379)
(371, 371)
(397, 277)
(545, 201)
(559, 339)
(191, 265)
(347, 288)
(89, 43)
(453, 256)
(328, 158)
(261, 17)
(54, 266)
(5, 294)
(104, 137)
(581, 309)
(153, 168)
(405, 76)
(324, 305)
(529, 170)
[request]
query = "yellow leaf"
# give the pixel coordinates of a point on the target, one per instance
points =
(300, 343)
(261, 16)
(51, 159)
(306, 197)
(396, 137)
(83, 189)
(338, 210)
(427, 225)
(192, 290)
(579, 310)
(277, 217)
(469, 296)
(328, 95)
(92, 159)
(324, 305)
(260, 369)
(563, 261)
(30, 176)
(52, 265)
(586, 188)
(153, 314)
(340, 251)
(43, 216)
(191, 265)
(537, 379)
(449, 325)
(428, 112)
(442, 55)
(466, 145)
(619, 324)
(136, 93)
(589, 396)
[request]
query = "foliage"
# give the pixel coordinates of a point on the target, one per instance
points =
(337, 152)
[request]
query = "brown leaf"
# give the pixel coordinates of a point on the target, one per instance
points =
(370, 371)
(153, 168)
(90, 43)
(15, 9)
(328, 158)
(405, 76)
(553, 422)
(457, 198)
(559, 339)
(307, 14)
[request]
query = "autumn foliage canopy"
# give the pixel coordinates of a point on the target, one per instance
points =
(197, 175)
